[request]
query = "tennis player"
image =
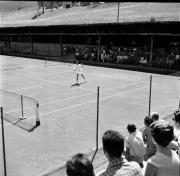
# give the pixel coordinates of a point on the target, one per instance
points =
(79, 71)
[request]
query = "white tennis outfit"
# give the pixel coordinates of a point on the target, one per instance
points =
(78, 68)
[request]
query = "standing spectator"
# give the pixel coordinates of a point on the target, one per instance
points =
(103, 55)
(176, 120)
(135, 148)
(166, 161)
(113, 146)
(79, 165)
(150, 149)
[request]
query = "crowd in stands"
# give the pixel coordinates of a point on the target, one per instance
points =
(130, 55)
(158, 145)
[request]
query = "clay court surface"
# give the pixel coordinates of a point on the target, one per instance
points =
(68, 114)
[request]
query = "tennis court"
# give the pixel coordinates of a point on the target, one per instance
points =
(68, 113)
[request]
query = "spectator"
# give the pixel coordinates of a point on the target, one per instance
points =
(113, 146)
(150, 149)
(143, 61)
(155, 116)
(135, 148)
(103, 55)
(176, 120)
(173, 144)
(166, 161)
(79, 165)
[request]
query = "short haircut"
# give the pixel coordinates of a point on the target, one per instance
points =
(155, 116)
(177, 116)
(79, 165)
(162, 132)
(148, 120)
(113, 143)
(131, 128)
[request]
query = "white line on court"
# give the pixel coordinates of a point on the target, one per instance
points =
(32, 87)
(24, 75)
(92, 101)
(57, 101)
(54, 82)
(103, 90)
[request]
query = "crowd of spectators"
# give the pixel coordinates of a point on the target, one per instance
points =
(138, 56)
(126, 154)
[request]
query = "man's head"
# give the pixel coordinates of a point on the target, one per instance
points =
(162, 132)
(113, 144)
(155, 116)
(79, 165)
(131, 128)
(148, 121)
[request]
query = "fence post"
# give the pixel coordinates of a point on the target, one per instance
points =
(97, 125)
(3, 142)
(150, 86)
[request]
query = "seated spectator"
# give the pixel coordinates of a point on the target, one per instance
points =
(79, 165)
(143, 61)
(166, 161)
(176, 120)
(113, 147)
(173, 144)
(150, 149)
(135, 148)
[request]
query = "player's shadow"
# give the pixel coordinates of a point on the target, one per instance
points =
(77, 84)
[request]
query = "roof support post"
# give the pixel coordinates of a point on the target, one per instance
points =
(99, 47)
(151, 50)
(60, 42)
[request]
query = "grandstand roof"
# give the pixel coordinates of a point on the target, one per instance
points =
(137, 28)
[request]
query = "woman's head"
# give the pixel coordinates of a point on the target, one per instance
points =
(162, 132)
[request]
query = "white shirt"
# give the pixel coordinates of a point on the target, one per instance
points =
(78, 68)
(135, 143)
(167, 166)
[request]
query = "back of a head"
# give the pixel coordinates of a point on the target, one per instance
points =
(113, 143)
(177, 116)
(162, 132)
(148, 121)
(79, 165)
(131, 128)
(155, 116)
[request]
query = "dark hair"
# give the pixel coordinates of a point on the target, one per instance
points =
(113, 143)
(177, 116)
(131, 128)
(155, 116)
(79, 165)
(148, 120)
(162, 132)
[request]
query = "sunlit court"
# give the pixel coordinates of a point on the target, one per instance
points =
(68, 112)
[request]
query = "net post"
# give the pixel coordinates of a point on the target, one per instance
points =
(37, 114)
(22, 109)
(3, 143)
(150, 89)
(97, 125)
